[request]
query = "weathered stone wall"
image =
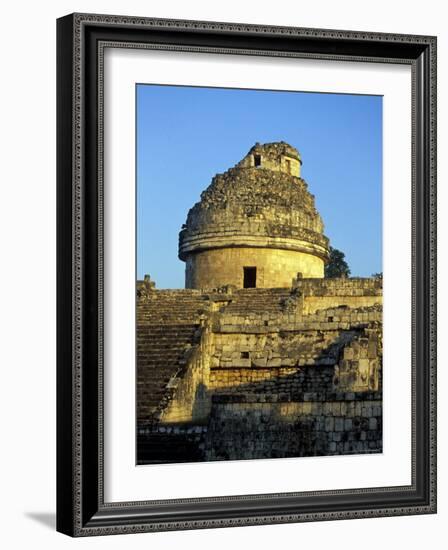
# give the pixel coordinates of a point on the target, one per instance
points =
(290, 345)
(349, 341)
(325, 294)
(278, 157)
(295, 382)
(259, 427)
(275, 267)
(240, 379)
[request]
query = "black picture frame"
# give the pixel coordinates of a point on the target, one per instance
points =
(81, 510)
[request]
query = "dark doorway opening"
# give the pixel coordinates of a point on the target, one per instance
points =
(250, 277)
(257, 161)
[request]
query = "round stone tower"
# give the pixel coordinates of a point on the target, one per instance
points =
(255, 226)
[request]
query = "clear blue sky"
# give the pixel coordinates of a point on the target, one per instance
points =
(186, 135)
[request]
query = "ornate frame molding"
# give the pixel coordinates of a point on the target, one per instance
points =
(81, 42)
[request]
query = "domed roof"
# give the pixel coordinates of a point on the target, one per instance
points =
(261, 202)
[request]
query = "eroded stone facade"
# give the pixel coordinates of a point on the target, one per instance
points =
(260, 215)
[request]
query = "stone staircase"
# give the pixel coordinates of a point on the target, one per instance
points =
(160, 351)
(167, 326)
(160, 307)
(258, 300)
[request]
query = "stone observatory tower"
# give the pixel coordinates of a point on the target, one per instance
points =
(256, 225)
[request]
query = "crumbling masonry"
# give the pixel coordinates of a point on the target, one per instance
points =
(260, 356)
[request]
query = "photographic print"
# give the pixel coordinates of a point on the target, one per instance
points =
(259, 274)
(229, 198)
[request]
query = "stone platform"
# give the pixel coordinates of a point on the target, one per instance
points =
(259, 373)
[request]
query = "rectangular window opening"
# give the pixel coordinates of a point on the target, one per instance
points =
(257, 160)
(250, 277)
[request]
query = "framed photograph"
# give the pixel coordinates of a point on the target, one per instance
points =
(246, 274)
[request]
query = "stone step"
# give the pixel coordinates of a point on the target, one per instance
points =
(159, 353)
